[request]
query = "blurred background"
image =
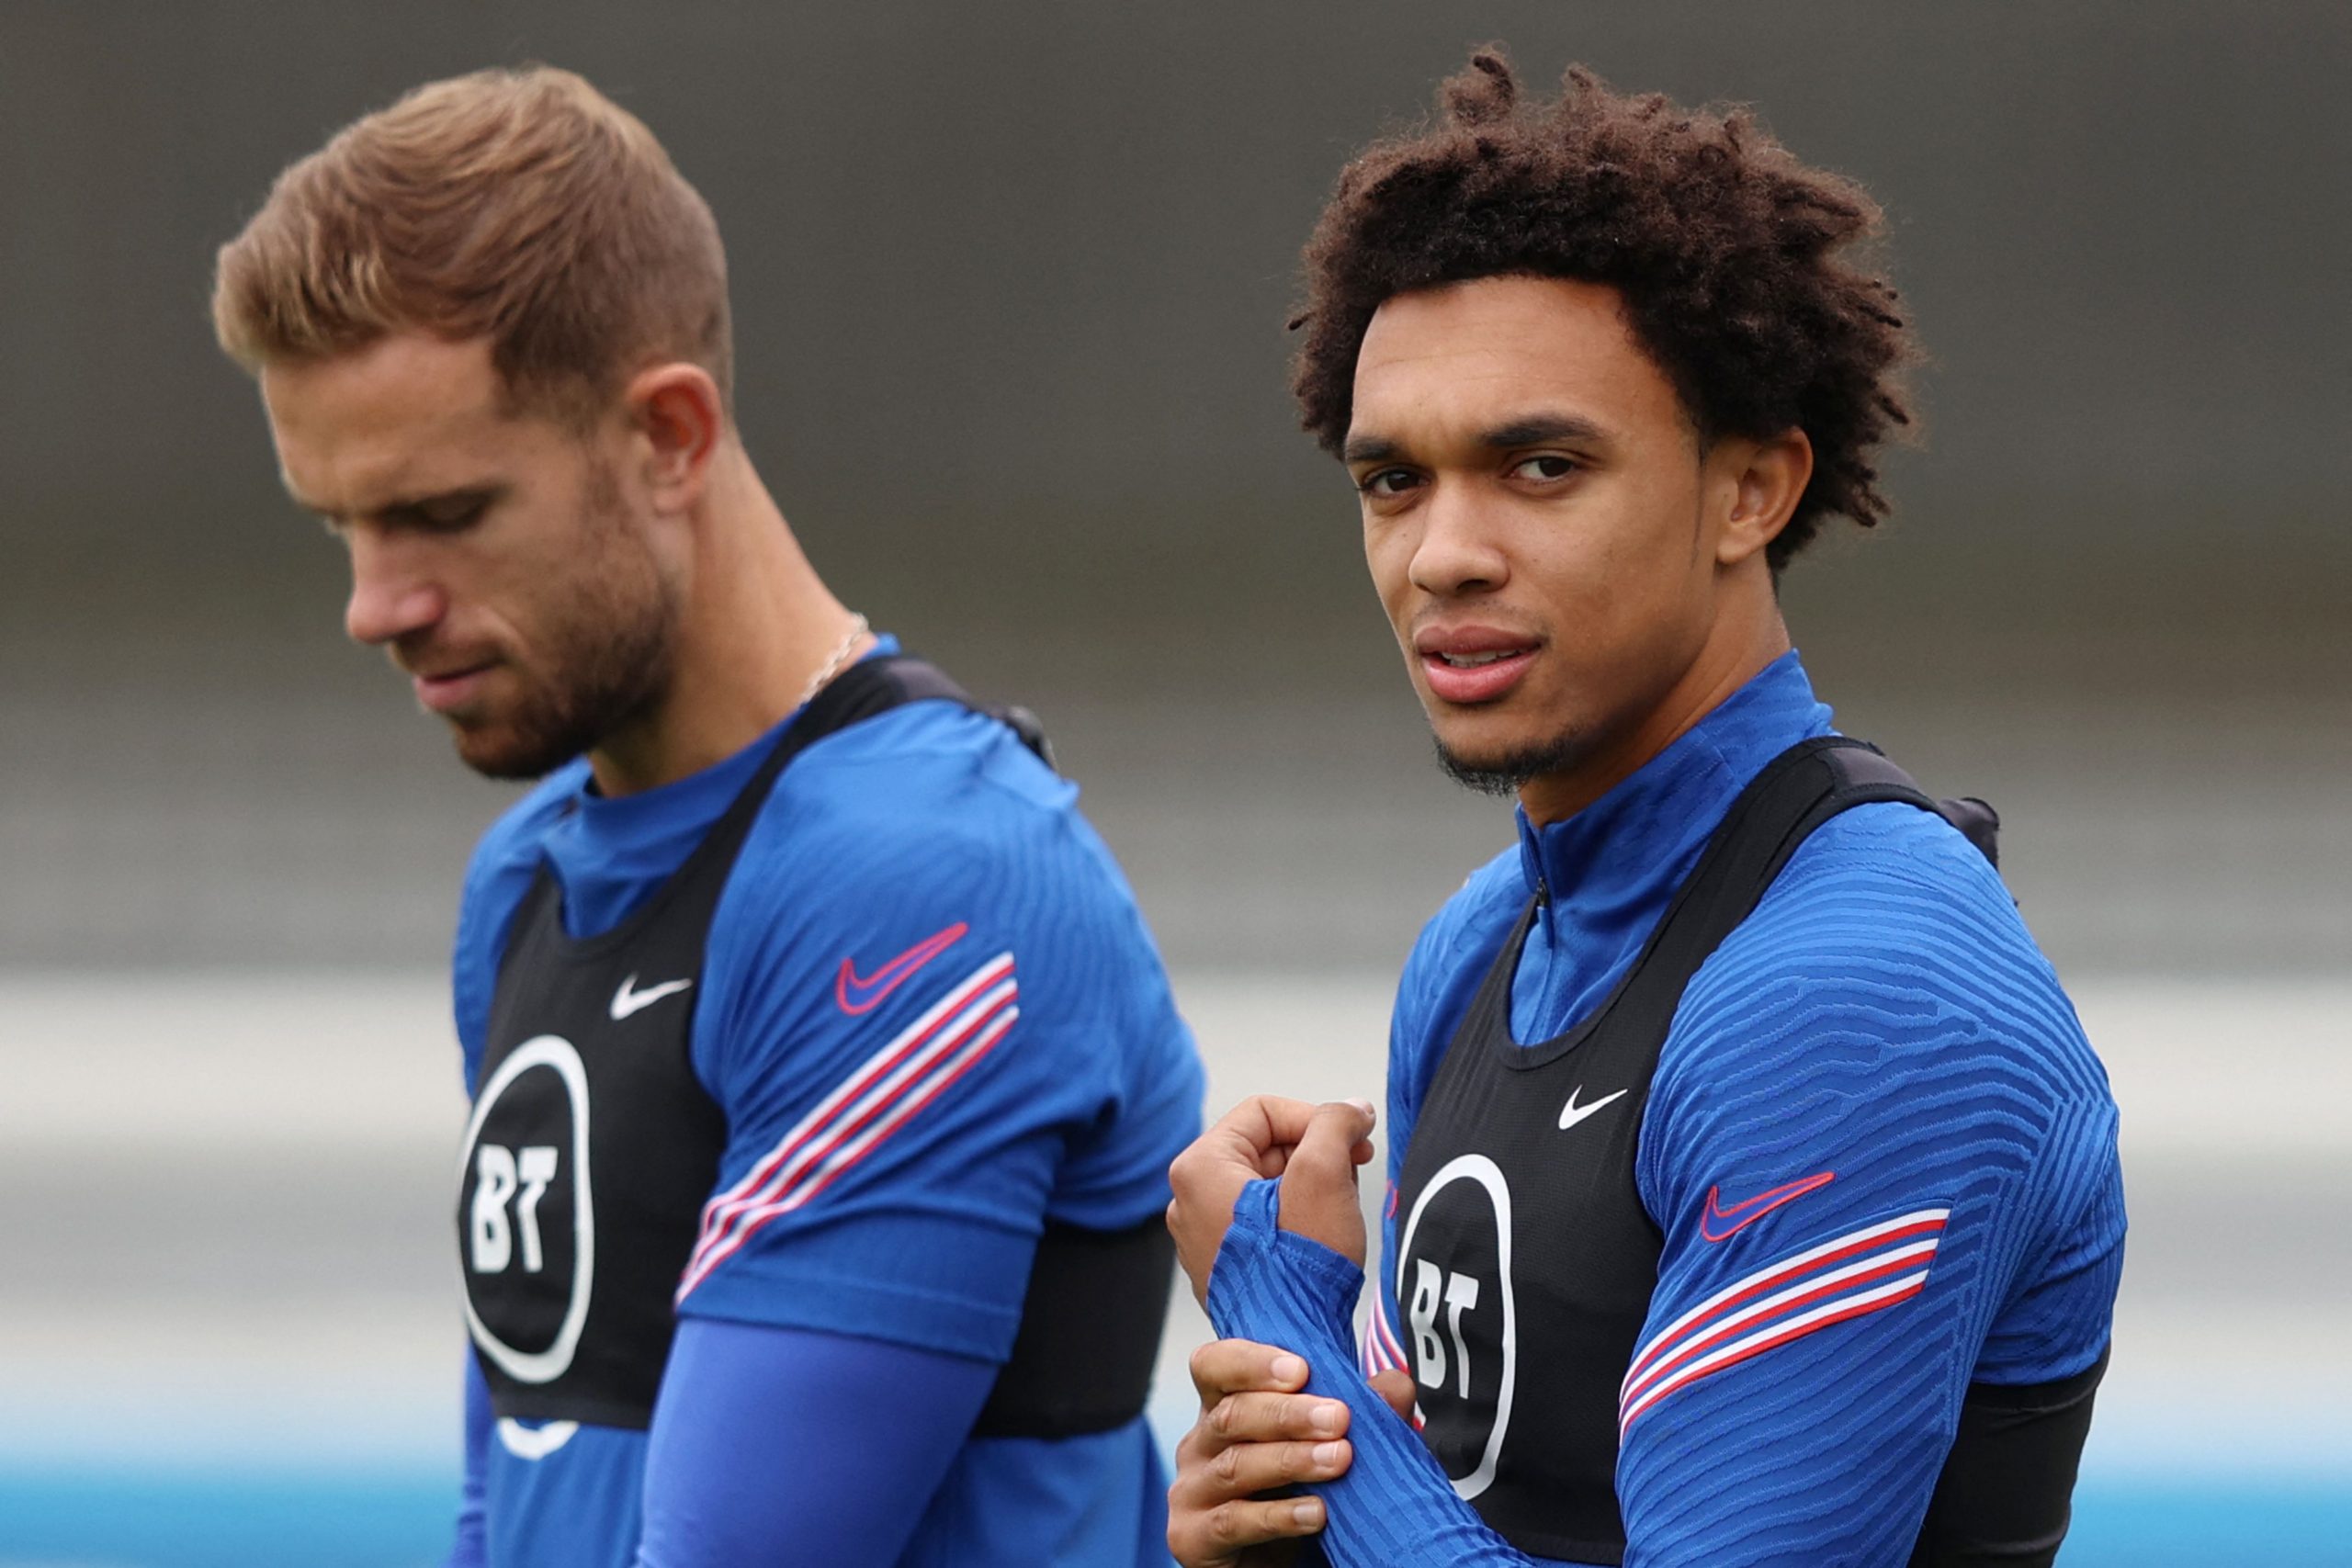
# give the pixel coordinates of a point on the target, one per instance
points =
(1010, 284)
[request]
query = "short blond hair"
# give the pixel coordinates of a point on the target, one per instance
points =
(521, 205)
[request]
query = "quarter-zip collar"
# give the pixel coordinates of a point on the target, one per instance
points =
(1607, 872)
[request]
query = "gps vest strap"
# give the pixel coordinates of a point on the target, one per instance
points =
(593, 1147)
(1525, 1259)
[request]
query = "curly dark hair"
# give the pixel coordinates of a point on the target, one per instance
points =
(1733, 260)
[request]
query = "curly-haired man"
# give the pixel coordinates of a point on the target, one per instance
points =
(1753, 1191)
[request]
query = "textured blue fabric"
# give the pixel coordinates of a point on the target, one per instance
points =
(1882, 1017)
(727, 1484)
(471, 1548)
(878, 840)
(1393, 1504)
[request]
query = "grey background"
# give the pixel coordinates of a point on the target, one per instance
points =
(1010, 282)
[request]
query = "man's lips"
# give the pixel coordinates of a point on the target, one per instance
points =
(1474, 664)
(449, 689)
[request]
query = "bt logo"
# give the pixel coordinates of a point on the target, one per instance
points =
(498, 1174)
(1460, 1294)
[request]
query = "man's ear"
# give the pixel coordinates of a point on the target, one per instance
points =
(678, 418)
(1766, 480)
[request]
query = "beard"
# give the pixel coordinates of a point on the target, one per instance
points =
(607, 635)
(1503, 773)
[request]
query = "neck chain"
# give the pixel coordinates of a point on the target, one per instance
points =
(834, 660)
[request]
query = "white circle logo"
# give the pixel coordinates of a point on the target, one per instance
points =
(500, 1188)
(1437, 1302)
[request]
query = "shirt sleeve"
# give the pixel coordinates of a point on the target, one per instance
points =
(1394, 1508)
(776, 1445)
(933, 1024)
(1882, 1158)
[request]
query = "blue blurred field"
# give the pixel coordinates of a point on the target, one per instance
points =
(155, 1519)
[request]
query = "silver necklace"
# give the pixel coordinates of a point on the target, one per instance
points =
(834, 660)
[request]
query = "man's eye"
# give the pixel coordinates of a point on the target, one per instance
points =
(1550, 465)
(448, 516)
(1388, 483)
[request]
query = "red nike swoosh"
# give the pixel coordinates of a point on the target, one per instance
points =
(1742, 1215)
(857, 995)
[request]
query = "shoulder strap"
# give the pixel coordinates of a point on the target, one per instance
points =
(1796, 793)
(880, 683)
(866, 689)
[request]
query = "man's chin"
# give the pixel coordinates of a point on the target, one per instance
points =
(1500, 766)
(500, 751)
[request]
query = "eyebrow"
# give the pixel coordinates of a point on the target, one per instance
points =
(1529, 430)
(416, 509)
(1535, 429)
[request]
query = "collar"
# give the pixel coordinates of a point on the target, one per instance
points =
(1636, 844)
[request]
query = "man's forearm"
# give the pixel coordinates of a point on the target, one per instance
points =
(1394, 1508)
(774, 1444)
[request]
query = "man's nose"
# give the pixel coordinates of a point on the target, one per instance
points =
(390, 597)
(1459, 550)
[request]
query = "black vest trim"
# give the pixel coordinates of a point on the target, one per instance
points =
(2005, 1497)
(1090, 1332)
(593, 1147)
(1526, 1259)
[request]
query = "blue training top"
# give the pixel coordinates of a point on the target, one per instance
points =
(1881, 1017)
(898, 864)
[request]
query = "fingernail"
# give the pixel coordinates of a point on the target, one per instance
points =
(1289, 1369)
(1326, 1455)
(1364, 1106)
(1307, 1511)
(1325, 1418)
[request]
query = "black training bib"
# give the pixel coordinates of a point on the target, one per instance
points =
(593, 1147)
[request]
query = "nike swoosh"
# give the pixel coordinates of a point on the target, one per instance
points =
(858, 994)
(1742, 1215)
(1571, 1114)
(627, 1001)
(533, 1442)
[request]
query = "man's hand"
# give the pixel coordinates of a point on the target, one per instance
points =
(1318, 1186)
(1255, 1433)
(1258, 1432)
(1264, 1136)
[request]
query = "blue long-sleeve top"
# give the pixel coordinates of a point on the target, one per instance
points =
(1882, 1017)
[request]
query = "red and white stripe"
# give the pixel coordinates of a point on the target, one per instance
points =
(1379, 1351)
(1849, 1275)
(875, 1101)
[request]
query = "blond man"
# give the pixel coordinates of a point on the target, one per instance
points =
(823, 1074)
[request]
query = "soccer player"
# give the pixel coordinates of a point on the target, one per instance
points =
(1753, 1193)
(824, 1076)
